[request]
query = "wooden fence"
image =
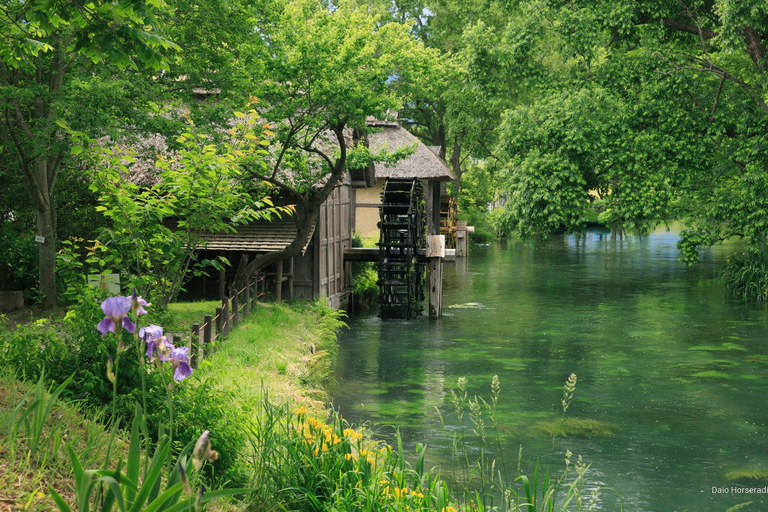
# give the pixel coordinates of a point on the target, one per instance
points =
(215, 328)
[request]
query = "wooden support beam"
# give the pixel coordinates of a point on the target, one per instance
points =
(432, 203)
(372, 254)
(279, 281)
(435, 254)
(291, 276)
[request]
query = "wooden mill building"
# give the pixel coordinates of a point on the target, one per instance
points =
(423, 163)
(321, 271)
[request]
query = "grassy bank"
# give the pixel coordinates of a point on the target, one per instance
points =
(281, 351)
(32, 459)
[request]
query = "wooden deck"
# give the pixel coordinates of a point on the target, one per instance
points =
(372, 254)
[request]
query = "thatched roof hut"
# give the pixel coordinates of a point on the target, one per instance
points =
(422, 163)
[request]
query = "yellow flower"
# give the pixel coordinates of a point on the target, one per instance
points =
(301, 411)
(448, 509)
(316, 452)
(325, 447)
(348, 456)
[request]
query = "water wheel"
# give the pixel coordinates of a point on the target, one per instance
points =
(402, 227)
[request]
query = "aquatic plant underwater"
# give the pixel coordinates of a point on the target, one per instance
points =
(484, 483)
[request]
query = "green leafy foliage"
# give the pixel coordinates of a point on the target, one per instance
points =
(197, 191)
(307, 464)
(365, 279)
(45, 46)
(139, 487)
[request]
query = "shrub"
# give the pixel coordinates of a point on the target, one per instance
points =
(484, 232)
(365, 279)
(202, 404)
(746, 275)
(18, 258)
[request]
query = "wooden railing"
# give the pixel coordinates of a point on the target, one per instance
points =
(206, 336)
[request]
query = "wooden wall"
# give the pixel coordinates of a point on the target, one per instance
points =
(335, 235)
(321, 271)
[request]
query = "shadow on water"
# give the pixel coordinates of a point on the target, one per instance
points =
(671, 371)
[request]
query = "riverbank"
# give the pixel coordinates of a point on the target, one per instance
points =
(282, 353)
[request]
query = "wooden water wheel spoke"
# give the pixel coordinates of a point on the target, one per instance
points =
(402, 227)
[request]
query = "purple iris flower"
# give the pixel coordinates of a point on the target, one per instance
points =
(180, 359)
(138, 303)
(116, 310)
(150, 332)
(162, 346)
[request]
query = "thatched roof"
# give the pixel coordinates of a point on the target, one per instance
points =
(422, 163)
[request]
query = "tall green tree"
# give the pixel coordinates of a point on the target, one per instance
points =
(326, 71)
(46, 44)
(649, 112)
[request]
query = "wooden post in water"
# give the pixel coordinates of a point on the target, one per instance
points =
(435, 255)
(462, 240)
(207, 338)
(279, 282)
(195, 355)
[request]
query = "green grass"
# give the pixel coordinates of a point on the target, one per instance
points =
(25, 474)
(283, 349)
(184, 314)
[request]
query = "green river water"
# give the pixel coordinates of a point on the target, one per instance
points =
(671, 371)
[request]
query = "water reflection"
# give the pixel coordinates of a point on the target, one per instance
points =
(673, 369)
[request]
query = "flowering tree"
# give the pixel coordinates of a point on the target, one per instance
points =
(199, 189)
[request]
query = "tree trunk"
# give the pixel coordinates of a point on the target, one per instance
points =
(46, 252)
(456, 164)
